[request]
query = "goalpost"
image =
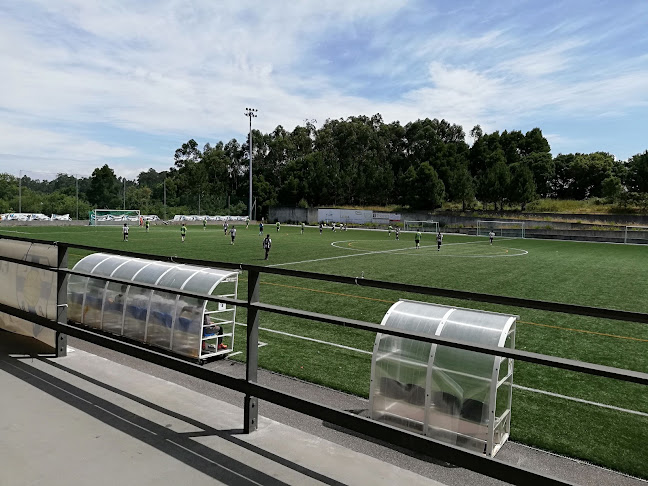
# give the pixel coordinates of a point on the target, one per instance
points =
(636, 235)
(509, 229)
(103, 217)
(423, 226)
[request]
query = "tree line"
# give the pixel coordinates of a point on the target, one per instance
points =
(360, 161)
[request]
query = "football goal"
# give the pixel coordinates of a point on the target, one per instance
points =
(423, 226)
(99, 217)
(509, 229)
(637, 235)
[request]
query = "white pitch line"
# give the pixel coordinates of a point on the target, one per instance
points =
(261, 344)
(524, 252)
(520, 387)
(408, 248)
(308, 339)
(580, 400)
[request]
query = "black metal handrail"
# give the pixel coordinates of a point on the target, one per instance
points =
(253, 391)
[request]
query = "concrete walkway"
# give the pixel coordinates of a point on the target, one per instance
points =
(100, 417)
(84, 419)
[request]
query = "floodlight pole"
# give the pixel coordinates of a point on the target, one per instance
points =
(77, 195)
(124, 194)
(20, 191)
(250, 113)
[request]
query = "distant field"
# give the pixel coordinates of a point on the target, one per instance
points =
(604, 275)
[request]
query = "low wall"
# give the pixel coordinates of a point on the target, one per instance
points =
(579, 235)
(529, 224)
(618, 219)
(575, 235)
(10, 222)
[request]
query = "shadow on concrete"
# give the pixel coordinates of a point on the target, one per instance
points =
(206, 430)
(24, 346)
(180, 446)
(417, 455)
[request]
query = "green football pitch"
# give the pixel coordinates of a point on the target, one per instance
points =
(600, 420)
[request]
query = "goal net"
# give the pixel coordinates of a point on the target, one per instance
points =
(509, 229)
(637, 235)
(423, 226)
(99, 217)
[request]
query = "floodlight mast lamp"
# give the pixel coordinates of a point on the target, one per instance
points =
(250, 113)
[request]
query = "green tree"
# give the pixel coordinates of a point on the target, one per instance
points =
(494, 184)
(105, 190)
(8, 190)
(637, 177)
(151, 178)
(534, 143)
(611, 188)
(463, 187)
(543, 169)
(588, 171)
(522, 187)
(561, 185)
(426, 190)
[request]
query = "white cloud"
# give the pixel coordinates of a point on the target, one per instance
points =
(41, 142)
(188, 69)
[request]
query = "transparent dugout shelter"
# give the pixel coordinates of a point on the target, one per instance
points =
(452, 395)
(190, 327)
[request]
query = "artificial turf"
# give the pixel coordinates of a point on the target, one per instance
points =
(604, 275)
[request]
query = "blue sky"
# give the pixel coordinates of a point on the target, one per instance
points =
(126, 83)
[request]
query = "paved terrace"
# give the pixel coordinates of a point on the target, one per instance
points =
(99, 417)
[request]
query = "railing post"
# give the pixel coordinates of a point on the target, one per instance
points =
(61, 298)
(250, 408)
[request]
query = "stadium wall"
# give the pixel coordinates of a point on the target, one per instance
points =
(292, 215)
(311, 215)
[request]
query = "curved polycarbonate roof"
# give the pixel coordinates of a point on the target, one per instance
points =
(447, 393)
(159, 316)
(166, 274)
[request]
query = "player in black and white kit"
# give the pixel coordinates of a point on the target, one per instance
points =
(439, 240)
(491, 235)
(267, 244)
(125, 230)
(233, 234)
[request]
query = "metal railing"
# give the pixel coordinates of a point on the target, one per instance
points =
(254, 391)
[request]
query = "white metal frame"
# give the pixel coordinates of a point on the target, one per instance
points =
(230, 277)
(221, 322)
(638, 229)
(490, 446)
(421, 225)
(483, 223)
